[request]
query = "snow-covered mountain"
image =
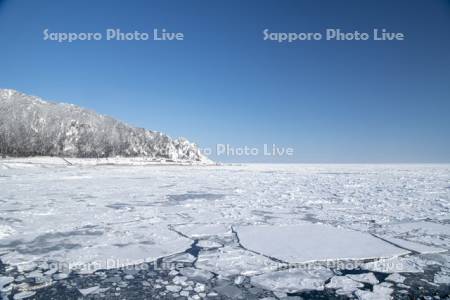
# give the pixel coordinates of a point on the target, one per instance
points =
(30, 126)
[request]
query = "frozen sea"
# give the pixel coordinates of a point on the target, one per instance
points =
(146, 231)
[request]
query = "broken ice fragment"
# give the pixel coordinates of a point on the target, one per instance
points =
(230, 291)
(364, 277)
(230, 261)
(396, 278)
(24, 295)
(293, 280)
(417, 247)
(4, 280)
(208, 244)
(173, 288)
(181, 258)
(343, 285)
(442, 278)
(196, 274)
(394, 265)
(379, 293)
(89, 290)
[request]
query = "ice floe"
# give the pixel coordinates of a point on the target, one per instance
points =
(294, 280)
(378, 293)
(6, 231)
(343, 285)
(394, 265)
(5, 280)
(24, 295)
(180, 257)
(230, 261)
(314, 242)
(197, 274)
(196, 231)
(89, 290)
(421, 228)
(91, 250)
(396, 277)
(364, 277)
(442, 278)
(208, 244)
(414, 246)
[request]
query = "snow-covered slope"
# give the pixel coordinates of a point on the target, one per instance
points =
(31, 126)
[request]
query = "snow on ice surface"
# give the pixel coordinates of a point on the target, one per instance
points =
(294, 280)
(344, 285)
(395, 277)
(91, 215)
(379, 293)
(204, 230)
(420, 248)
(394, 265)
(234, 261)
(422, 228)
(314, 242)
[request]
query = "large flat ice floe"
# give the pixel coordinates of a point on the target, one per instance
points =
(314, 242)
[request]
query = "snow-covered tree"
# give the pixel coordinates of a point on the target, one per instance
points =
(31, 126)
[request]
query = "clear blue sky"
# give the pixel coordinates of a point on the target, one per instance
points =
(331, 101)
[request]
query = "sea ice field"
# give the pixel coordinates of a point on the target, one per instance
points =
(75, 229)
